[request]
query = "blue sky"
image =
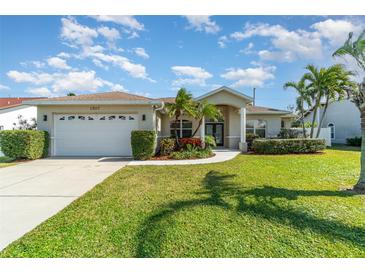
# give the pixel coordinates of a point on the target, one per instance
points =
(155, 55)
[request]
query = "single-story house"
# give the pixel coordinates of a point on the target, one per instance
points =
(100, 124)
(342, 117)
(12, 108)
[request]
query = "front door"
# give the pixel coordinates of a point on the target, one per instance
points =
(215, 130)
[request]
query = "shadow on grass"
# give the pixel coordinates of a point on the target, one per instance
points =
(343, 147)
(257, 202)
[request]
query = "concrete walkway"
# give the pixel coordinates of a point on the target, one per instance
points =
(221, 155)
(32, 192)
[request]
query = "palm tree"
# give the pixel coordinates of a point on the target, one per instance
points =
(317, 83)
(207, 110)
(338, 82)
(356, 50)
(301, 100)
(183, 104)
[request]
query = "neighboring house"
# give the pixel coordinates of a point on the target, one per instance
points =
(11, 108)
(100, 124)
(343, 119)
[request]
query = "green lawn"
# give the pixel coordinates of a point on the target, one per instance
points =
(252, 206)
(6, 161)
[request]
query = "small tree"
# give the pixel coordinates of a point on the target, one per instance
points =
(71, 94)
(207, 110)
(24, 124)
(301, 100)
(183, 104)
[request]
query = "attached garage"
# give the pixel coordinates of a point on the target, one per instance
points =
(93, 134)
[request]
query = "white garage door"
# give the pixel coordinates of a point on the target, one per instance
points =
(94, 134)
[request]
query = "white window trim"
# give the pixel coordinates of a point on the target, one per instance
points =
(255, 126)
(334, 130)
(181, 126)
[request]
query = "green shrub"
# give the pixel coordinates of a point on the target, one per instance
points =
(24, 144)
(143, 144)
(288, 146)
(191, 153)
(250, 137)
(167, 145)
(288, 133)
(356, 141)
(209, 141)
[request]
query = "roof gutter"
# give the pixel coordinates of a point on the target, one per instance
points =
(90, 102)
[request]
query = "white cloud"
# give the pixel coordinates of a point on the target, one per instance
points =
(77, 81)
(36, 64)
(222, 41)
(76, 33)
(141, 52)
(336, 31)
(133, 69)
(111, 34)
(248, 49)
(64, 55)
(190, 75)
(100, 64)
(30, 77)
(253, 77)
(3, 87)
(42, 91)
(292, 44)
(124, 20)
(202, 23)
(58, 63)
(60, 83)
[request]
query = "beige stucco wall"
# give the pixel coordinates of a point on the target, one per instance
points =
(48, 125)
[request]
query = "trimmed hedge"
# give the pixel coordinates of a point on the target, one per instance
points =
(143, 144)
(24, 144)
(288, 146)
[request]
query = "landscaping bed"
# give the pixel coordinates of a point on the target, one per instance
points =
(251, 206)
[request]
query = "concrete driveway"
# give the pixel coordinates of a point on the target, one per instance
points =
(32, 192)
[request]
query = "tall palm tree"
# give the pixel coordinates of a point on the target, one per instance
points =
(301, 100)
(183, 104)
(338, 82)
(356, 49)
(207, 110)
(317, 83)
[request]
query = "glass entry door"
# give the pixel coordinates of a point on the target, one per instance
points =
(217, 131)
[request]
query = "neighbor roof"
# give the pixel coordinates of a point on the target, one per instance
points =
(265, 110)
(8, 102)
(114, 97)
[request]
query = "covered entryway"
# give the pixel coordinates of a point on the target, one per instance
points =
(93, 134)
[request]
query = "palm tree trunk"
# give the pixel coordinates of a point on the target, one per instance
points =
(322, 118)
(313, 120)
(199, 125)
(176, 135)
(360, 185)
(303, 126)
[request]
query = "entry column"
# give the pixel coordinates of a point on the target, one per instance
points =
(242, 143)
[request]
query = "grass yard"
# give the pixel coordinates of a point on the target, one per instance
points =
(252, 206)
(6, 161)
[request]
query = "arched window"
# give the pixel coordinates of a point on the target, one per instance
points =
(332, 127)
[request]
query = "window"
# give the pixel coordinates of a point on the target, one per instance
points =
(182, 126)
(257, 127)
(332, 128)
(1, 127)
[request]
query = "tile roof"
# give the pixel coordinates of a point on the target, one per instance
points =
(259, 109)
(107, 96)
(8, 102)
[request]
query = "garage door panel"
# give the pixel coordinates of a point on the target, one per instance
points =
(94, 135)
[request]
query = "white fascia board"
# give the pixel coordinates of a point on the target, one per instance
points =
(91, 102)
